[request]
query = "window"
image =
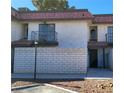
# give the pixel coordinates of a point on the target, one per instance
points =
(47, 32)
(93, 33)
(46, 27)
(110, 34)
(110, 30)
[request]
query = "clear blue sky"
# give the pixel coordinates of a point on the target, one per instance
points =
(94, 6)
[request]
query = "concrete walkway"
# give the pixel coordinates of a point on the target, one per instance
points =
(91, 74)
(43, 89)
(99, 74)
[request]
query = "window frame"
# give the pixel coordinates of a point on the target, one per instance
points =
(47, 25)
(40, 31)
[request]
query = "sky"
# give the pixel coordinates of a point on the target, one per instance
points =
(94, 6)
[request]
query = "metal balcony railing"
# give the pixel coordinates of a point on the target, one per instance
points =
(48, 36)
(93, 38)
(109, 38)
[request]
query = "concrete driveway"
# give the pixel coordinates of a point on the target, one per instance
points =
(43, 89)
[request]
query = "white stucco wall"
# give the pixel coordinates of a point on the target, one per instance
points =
(16, 30)
(71, 34)
(102, 30)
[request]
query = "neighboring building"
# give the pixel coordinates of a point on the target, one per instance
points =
(69, 41)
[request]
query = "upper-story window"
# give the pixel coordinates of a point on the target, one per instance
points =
(93, 33)
(47, 32)
(110, 29)
(109, 35)
(46, 27)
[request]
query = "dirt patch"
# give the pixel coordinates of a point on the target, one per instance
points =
(88, 86)
(21, 83)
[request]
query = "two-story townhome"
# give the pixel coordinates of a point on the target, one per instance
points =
(69, 41)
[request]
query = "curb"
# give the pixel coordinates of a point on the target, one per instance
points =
(97, 78)
(23, 87)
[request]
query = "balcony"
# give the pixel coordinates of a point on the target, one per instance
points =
(44, 37)
(93, 39)
(48, 38)
(93, 43)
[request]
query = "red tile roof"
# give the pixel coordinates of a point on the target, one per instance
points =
(79, 14)
(103, 18)
(82, 14)
(14, 13)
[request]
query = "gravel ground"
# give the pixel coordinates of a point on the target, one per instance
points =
(88, 86)
(81, 86)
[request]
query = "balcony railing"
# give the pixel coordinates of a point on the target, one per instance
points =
(44, 36)
(109, 38)
(93, 38)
